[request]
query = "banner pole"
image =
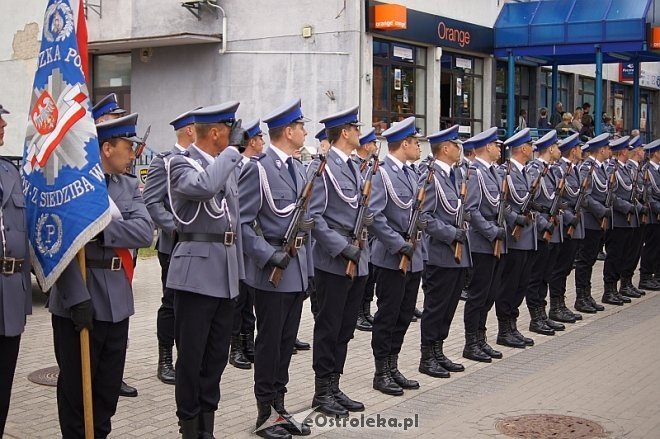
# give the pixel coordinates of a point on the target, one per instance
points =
(85, 362)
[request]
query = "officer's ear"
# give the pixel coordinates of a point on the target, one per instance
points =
(106, 148)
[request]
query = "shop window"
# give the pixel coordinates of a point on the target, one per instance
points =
(399, 84)
(523, 84)
(461, 93)
(563, 91)
(111, 73)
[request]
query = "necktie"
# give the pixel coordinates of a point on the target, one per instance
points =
(407, 171)
(493, 172)
(107, 180)
(452, 176)
(349, 162)
(292, 171)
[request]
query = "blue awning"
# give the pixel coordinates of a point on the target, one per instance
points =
(569, 31)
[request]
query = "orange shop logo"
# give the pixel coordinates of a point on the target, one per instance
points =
(461, 37)
(390, 17)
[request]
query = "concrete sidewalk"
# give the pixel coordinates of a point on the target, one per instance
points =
(603, 368)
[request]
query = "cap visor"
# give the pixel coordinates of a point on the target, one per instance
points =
(135, 139)
(3, 111)
(357, 124)
(302, 120)
(117, 111)
(457, 141)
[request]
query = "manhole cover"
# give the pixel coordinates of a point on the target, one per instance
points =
(45, 377)
(549, 426)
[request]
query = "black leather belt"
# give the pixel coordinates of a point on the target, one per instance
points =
(227, 238)
(278, 242)
(404, 235)
(349, 233)
(9, 266)
(113, 264)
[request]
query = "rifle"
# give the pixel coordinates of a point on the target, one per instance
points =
(292, 242)
(646, 196)
(413, 232)
(609, 199)
(140, 146)
(460, 218)
(527, 205)
(634, 193)
(501, 210)
(356, 235)
(581, 196)
(554, 208)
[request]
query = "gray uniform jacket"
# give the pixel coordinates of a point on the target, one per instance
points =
(519, 185)
(110, 292)
(544, 197)
(569, 198)
(654, 193)
(441, 229)
(596, 194)
(484, 187)
(199, 190)
(15, 289)
(257, 202)
(157, 201)
(622, 205)
(391, 218)
(335, 217)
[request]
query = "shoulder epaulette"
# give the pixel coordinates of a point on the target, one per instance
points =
(128, 174)
(8, 160)
(185, 153)
(257, 157)
(163, 154)
(473, 168)
(298, 160)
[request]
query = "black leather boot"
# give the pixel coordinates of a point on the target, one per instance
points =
(236, 357)
(505, 337)
(127, 391)
(620, 296)
(472, 350)
(483, 344)
(272, 431)
(418, 313)
(592, 301)
(444, 361)
(628, 289)
(165, 371)
(341, 398)
(551, 323)
(609, 295)
(428, 365)
(514, 330)
(206, 425)
(324, 400)
(301, 345)
(647, 282)
(366, 309)
(537, 324)
(558, 311)
(189, 428)
(582, 303)
(362, 323)
(294, 427)
(383, 381)
(398, 377)
(247, 342)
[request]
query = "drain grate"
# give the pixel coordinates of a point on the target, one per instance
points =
(545, 426)
(45, 377)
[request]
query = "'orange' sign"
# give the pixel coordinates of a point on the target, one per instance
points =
(390, 17)
(655, 37)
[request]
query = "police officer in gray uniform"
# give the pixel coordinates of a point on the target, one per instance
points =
(206, 263)
(158, 205)
(334, 207)
(513, 271)
(483, 202)
(15, 284)
(562, 255)
(269, 187)
(241, 354)
(107, 108)
(445, 277)
(537, 287)
(105, 303)
(649, 270)
(393, 197)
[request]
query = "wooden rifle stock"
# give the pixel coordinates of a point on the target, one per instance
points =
(504, 193)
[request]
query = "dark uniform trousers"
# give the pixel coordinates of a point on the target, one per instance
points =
(165, 316)
(278, 317)
(635, 246)
(537, 286)
(512, 277)
(244, 319)
(396, 296)
(650, 261)
(564, 257)
(8, 355)
(617, 241)
(202, 332)
(370, 285)
(481, 294)
(339, 300)
(587, 254)
(444, 286)
(108, 343)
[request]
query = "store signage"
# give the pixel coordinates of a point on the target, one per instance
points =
(655, 37)
(646, 79)
(390, 17)
(626, 72)
(434, 30)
